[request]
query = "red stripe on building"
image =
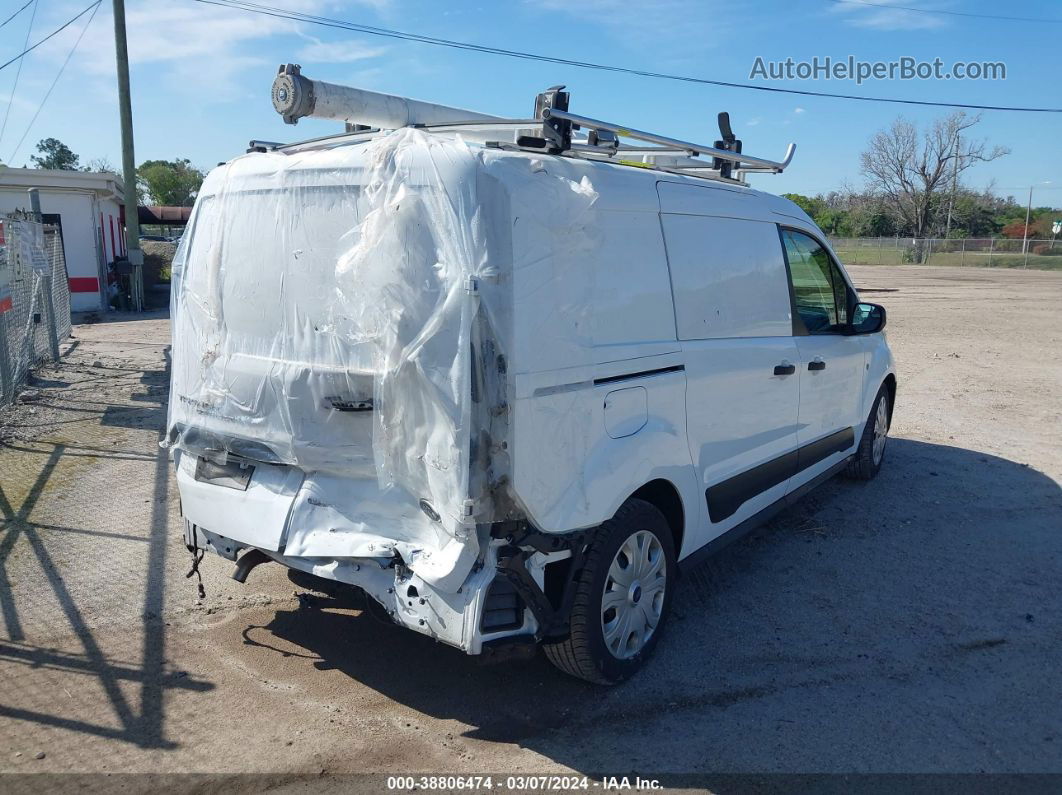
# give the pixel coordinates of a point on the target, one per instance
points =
(114, 248)
(103, 240)
(84, 284)
(5, 305)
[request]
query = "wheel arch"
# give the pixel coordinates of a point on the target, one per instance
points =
(890, 385)
(664, 496)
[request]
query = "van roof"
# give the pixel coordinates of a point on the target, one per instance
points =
(345, 152)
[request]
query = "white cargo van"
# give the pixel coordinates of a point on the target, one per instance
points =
(507, 380)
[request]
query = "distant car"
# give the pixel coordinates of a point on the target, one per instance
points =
(158, 238)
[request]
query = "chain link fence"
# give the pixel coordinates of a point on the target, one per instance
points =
(34, 299)
(980, 252)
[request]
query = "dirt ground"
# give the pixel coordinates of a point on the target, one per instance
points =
(912, 624)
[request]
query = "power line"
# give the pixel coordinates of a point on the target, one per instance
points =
(24, 7)
(47, 94)
(18, 73)
(296, 16)
(948, 13)
(58, 30)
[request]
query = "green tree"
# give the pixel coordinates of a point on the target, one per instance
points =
(169, 182)
(834, 222)
(871, 221)
(811, 206)
(971, 216)
(55, 155)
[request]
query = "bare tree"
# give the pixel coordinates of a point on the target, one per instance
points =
(908, 168)
(102, 164)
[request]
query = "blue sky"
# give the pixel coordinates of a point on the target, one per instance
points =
(201, 74)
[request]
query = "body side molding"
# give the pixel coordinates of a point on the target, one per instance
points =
(724, 499)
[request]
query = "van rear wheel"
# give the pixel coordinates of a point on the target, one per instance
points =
(622, 597)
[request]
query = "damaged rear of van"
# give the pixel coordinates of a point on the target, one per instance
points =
(342, 362)
(464, 379)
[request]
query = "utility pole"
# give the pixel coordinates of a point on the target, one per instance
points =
(1025, 236)
(954, 183)
(132, 220)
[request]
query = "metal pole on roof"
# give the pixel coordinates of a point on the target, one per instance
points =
(132, 221)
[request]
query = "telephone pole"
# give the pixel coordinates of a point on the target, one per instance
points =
(954, 184)
(1025, 236)
(132, 220)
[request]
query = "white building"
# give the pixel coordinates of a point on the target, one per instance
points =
(88, 207)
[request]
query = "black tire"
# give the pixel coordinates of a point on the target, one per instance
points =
(863, 465)
(584, 653)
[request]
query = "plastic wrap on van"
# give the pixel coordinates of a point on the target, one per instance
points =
(348, 311)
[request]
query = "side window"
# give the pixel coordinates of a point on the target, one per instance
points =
(727, 277)
(819, 289)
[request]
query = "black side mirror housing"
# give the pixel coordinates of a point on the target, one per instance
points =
(866, 319)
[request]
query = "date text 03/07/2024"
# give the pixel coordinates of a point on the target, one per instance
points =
(480, 783)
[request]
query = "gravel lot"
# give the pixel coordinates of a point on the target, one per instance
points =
(912, 624)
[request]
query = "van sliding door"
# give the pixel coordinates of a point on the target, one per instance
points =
(732, 313)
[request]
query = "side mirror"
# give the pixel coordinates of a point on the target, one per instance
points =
(867, 319)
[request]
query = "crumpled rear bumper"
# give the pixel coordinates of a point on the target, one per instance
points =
(283, 510)
(453, 617)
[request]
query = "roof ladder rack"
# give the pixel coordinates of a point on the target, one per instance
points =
(736, 158)
(551, 130)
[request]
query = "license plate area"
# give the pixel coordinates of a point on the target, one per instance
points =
(231, 475)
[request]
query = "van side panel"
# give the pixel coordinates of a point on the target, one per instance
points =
(735, 323)
(571, 473)
(587, 329)
(632, 302)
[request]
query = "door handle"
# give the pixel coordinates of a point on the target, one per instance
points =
(784, 369)
(818, 364)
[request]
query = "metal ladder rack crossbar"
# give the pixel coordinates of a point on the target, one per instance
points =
(742, 160)
(550, 131)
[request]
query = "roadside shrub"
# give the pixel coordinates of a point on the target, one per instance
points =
(910, 254)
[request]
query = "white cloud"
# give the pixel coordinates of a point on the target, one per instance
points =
(878, 18)
(754, 121)
(799, 110)
(207, 50)
(337, 52)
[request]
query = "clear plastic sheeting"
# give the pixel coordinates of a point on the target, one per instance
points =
(348, 311)
(406, 292)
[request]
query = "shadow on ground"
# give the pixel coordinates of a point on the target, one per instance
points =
(907, 600)
(134, 690)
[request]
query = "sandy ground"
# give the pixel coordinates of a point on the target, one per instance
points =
(912, 624)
